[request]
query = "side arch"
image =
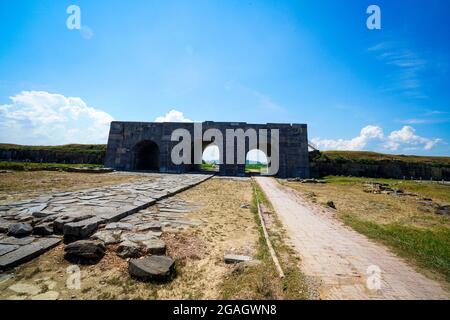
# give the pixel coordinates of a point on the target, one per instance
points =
(146, 156)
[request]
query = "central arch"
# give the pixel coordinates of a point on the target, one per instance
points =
(210, 157)
(146, 156)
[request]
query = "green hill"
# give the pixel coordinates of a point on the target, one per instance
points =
(374, 157)
(68, 148)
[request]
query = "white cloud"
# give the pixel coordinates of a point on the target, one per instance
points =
(358, 143)
(211, 153)
(173, 116)
(257, 155)
(405, 138)
(40, 117)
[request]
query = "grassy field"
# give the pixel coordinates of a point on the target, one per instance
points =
(207, 166)
(33, 166)
(400, 222)
(437, 191)
(68, 148)
(255, 167)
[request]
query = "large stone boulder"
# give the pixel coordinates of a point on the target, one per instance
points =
(20, 230)
(85, 251)
(152, 268)
(81, 229)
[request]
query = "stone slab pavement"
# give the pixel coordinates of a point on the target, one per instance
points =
(344, 263)
(77, 215)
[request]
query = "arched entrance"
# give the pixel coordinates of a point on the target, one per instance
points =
(256, 162)
(210, 158)
(146, 156)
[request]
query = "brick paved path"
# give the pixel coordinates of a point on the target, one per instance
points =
(340, 257)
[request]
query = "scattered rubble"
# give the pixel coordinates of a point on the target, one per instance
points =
(384, 188)
(85, 251)
(153, 268)
(432, 207)
(235, 258)
(330, 204)
(306, 180)
(128, 249)
(443, 210)
(377, 188)
(425, 204)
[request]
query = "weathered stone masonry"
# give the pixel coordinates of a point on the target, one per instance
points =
(148, 146)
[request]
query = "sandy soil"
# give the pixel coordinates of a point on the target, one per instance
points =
(198, 252)
(20, 185)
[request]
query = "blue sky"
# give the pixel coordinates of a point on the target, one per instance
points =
(311, 62)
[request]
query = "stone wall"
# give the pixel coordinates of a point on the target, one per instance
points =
(51, 156)
(127, 138)
(380, 169)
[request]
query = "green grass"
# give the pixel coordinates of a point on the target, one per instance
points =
(254, 167)
(32, 166)
(434, 190)
(68, 148)
(207, 166)
(373, 157)
(428, 248)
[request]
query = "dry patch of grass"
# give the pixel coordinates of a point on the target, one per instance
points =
(262, 281)
(27, 184)
(399, 222)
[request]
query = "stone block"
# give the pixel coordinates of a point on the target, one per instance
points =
(27, 252)
(153, 268)
(81, 229)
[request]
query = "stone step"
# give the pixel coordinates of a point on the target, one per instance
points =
(27, 252)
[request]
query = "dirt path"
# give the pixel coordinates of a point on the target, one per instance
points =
(340, 259)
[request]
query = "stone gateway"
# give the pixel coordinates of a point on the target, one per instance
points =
(147, 146)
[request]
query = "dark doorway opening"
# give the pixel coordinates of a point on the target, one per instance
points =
(146, 156)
